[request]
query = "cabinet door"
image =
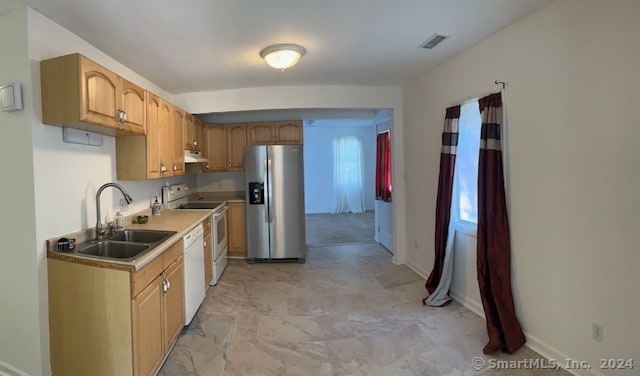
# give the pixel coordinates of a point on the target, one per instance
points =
(237, 232)
(216, 147)
(288, 132)
(153, 137)
(166, 141)
(99, 88)
(200, 139)
(189, 132)
(133, 103)
(173, 303)
(236, 141)
(260, 133)
(177, 153)
(147, 323)
(208, 258)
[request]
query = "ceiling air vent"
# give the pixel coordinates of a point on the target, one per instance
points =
(433, 41)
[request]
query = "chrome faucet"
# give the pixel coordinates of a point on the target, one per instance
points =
(100, 231)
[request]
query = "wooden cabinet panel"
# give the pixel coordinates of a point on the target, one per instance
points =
(177, 129)
(99, 94)
(208, 258)
(173, 303)
(216, 147)
(288, 132)
(236, 141)
(274, 133)
(140, 157)
(133, 103)
(189, 132)
(80, 93)
(200, 139)
(166, 141)
(147, 314)
(153, 137)
(260, 133)
(237, 232)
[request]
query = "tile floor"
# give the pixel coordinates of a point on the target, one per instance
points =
(347, 311)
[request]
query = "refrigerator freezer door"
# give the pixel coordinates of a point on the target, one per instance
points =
(286, 201)
(257, 214)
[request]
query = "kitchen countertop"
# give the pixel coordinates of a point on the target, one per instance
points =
(181, 221)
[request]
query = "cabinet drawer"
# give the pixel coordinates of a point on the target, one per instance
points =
(143, 277)
(171, 254)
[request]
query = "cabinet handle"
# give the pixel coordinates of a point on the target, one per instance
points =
(168, 284)
(205, 244)
(164, 286)
(124, 117)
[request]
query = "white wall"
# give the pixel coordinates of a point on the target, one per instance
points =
(22, 349)
(221, 182)
(572, 107)
(318, 161)
(320, 97)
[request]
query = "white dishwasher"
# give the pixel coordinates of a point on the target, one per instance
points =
(194, 286)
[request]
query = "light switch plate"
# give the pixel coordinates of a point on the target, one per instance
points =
(10, 97)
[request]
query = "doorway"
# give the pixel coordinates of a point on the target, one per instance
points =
(323, 227)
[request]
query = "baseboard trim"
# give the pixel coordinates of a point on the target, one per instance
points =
(416, 268)
(533, 342)
(9, 370)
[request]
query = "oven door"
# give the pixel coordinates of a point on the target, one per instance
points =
(219, 232)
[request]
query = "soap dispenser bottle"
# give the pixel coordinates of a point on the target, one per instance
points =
(118, 220)
(155, 208)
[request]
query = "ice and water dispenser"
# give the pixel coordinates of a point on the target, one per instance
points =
(256, 193)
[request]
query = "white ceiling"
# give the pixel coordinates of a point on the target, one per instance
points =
(199, 45)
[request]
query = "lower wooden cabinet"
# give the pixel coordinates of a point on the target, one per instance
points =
(237, 229)
(208, 252)
(115, 322)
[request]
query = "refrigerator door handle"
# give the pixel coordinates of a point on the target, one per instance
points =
(267, 212)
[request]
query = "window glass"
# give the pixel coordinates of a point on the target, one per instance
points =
(466, 172)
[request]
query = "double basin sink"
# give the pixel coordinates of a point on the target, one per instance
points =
(124, 245)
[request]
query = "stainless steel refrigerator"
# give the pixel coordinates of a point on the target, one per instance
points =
(275, 203)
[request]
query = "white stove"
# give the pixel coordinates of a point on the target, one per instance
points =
(177, 197)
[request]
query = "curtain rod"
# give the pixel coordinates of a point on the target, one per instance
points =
(472, 98)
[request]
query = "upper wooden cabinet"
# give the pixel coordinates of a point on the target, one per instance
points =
(216, 147)
(288, 132)
(236, 141)
(147, 157)
(260, 133)
(177, 135)
(274, 133)
(133, 104)
(189, 132)
(80, 93)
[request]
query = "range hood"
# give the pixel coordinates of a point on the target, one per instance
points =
(192, 156)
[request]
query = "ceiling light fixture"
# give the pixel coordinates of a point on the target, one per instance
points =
(282, 56)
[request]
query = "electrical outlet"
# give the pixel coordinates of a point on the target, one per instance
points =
(597, 332)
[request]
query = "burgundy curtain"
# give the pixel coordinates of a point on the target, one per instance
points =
(383, 167)
(494, 244)
(445, 191)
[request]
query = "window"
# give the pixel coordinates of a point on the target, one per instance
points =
(348, 175)
(465, 182)
(383, 167)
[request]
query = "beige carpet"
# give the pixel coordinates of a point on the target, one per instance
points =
(327, 229)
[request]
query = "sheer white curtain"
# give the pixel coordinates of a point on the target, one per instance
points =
(348, 175)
